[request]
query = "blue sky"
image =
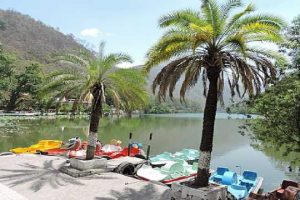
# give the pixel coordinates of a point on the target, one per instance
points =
(126, 25)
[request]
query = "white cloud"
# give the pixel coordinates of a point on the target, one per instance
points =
(126, 65)
(129, 65)
(93, 32)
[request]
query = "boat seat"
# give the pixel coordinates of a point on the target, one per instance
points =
(238, 191)
(191, 169)
(229, 178)
(163, 156)
(284, 185)
(291, 193)
(195, 166)
(217, 177)
(187, 154)
(174, 169)
(249, 178)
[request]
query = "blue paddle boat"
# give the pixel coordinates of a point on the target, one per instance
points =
(239, 186)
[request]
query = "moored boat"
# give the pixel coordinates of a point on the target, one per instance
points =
(289, 190)
(115, 151)
(177, 170)
(240, 186)
(108, 151)
(72, 144)
(42, 145)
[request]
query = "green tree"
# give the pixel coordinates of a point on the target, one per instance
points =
(6, 76)
(292, 43)
(215, 45)
(278, 131)
(26, 86)
(96, 77)
(280, 106)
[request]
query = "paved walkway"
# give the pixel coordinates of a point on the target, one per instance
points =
(38, 177)
(9, 194)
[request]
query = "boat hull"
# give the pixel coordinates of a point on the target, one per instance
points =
(42, 145)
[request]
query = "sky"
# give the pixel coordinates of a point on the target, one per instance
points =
(129, 26)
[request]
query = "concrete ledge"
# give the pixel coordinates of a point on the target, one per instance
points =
(212, 192)
(88, 164)
(80, 173)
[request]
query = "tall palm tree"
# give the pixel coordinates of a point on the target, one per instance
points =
(213, 44)
(93, 77)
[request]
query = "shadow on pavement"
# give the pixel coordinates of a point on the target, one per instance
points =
(39, 176)
(148, 192)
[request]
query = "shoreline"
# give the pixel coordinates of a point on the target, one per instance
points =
(220, 115)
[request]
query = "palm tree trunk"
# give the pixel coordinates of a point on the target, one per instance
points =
(208, 129)
(94, 123)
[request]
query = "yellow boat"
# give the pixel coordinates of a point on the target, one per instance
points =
(42, 145)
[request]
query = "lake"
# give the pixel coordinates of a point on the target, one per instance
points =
(171, 132)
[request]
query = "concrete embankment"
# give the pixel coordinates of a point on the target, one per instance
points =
(38, 177)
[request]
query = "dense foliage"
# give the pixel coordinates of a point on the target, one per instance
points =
(6, 75)
(280, 127)
(18, 90)
(175, 106)
(279, 130)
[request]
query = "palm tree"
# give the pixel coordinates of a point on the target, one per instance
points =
(93, 78)
(213, 44)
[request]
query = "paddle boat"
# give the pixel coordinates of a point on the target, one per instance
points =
(188, 155)
(73, 144)
(177, 170)
(77, 148)
(240, 186)
(42, 145)
(289, 190)
(112, 151)
(108, 151)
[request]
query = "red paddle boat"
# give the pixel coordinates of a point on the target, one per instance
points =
(74, 144)
(76, 148)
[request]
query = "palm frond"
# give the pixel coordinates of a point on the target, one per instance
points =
(212, 13)
(271, 20)
(124, 85)
(216, 40)
(249, 9)
(72, 59)
(192, 74)
(228, 6)
(181, 18)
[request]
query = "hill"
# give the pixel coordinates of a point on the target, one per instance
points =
(32, 40)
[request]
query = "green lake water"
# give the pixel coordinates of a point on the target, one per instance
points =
(170, 133)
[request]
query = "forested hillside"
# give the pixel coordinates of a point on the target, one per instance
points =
(32, 40)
